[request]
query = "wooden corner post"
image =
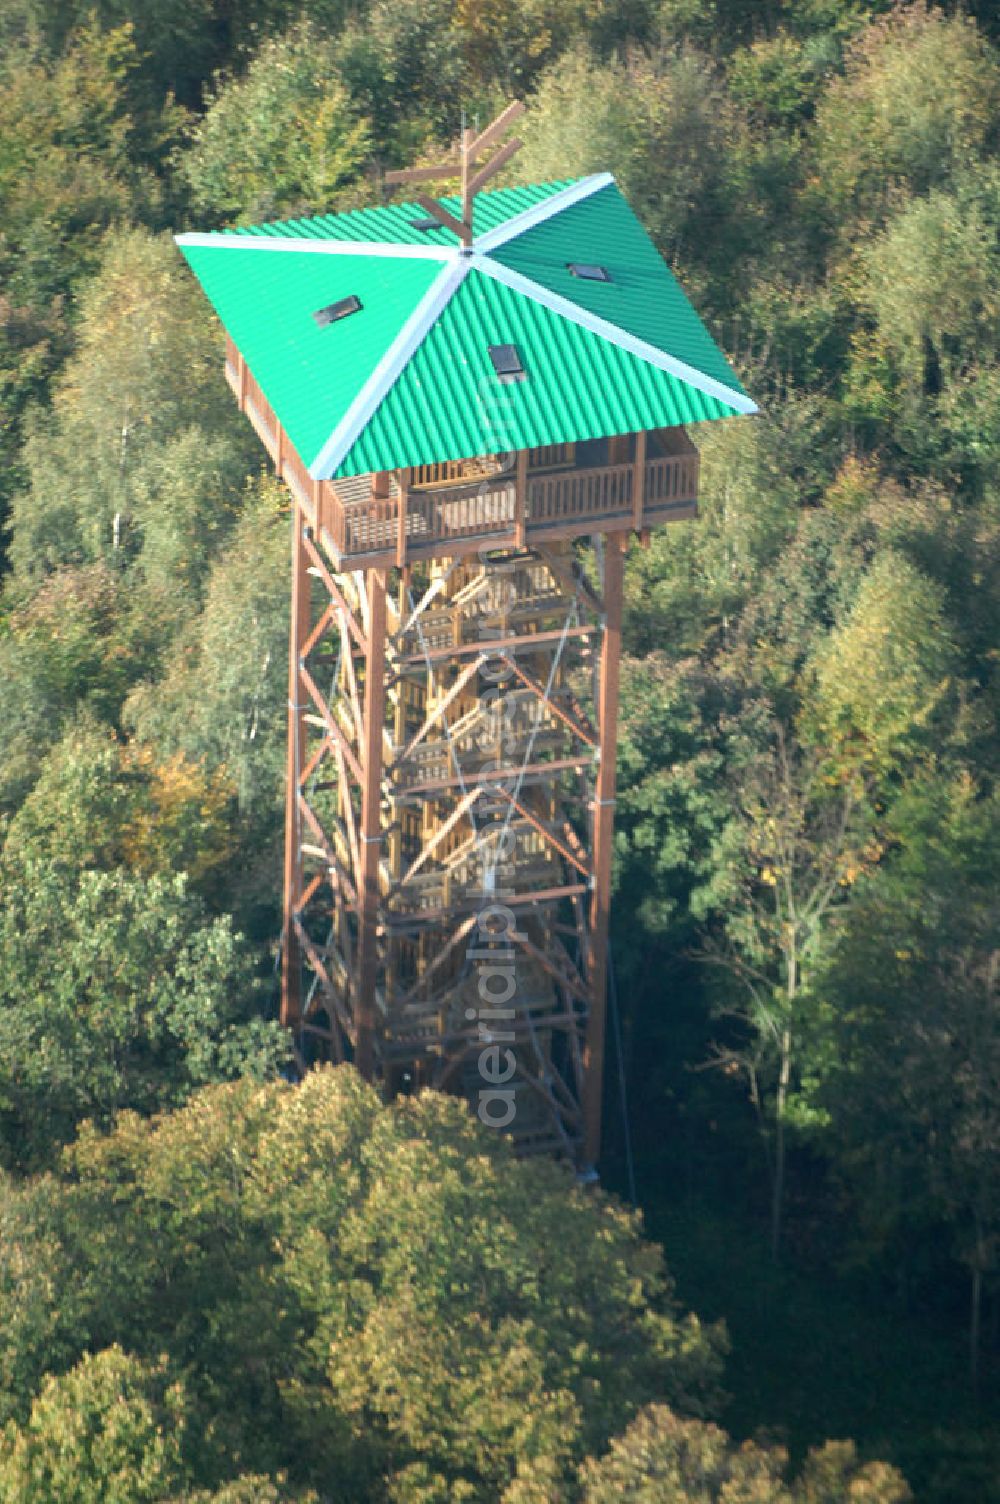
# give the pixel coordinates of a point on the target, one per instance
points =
(616, 545)
(291, 952)
(371, 822)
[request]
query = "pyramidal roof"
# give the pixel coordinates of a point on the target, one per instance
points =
(375, 337)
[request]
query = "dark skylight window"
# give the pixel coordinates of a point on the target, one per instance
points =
(426, 224)
(589, 271)
(334, 311)
(507, 362)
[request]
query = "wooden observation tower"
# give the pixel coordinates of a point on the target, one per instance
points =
(475, 403)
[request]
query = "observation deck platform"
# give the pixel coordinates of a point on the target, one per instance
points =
(629, 482)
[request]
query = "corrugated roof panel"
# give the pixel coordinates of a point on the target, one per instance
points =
(449, 404)
(642, 297)
(492, 209)
(394, 222)
(266, 301)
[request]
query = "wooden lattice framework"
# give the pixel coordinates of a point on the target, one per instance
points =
(453, 707)
(449, 723)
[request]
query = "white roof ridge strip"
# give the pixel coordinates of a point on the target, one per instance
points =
(387, 371)
(221, 240)
(540, 212)
(554, 301)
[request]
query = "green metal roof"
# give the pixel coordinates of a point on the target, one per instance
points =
(395, 222)
(269, 315)
(643, 297)
(408, 380)
(450, 402)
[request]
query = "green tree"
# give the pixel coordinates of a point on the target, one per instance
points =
(117, 987)
(798, 843)
(108, 1432)
(692, 585)
(884, 678)
(404, 66)
(67, 169)
(116, 1429)
(661, 1459)
(917, 99)
(68, 141)
(179, 43)
(508, 42)
(75, 643)
(285, 138)
(653, 122)
(100, 804)
(134, 478)
(145, 371)
(776, 78)
(122, 993)
(925, 349)
(911, 1032)
(381, 1295)
(220, 698)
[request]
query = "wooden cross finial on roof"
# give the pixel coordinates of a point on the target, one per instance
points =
(464, 163)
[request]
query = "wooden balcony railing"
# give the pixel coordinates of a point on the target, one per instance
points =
(446, 511)
(601, 492)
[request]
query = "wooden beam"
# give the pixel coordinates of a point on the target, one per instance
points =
(492, 167)
(347, 660)
(438, 961)
(326, 620)
(331, 998)
(495, 130)
(520, 497)
(438, 212)
(573, 584)
(403, 501)
(616, 545)
(327, 719)
(370, 834)
(639, 481)
(458, 813)
(546, 834)
(528, 642)
(433, 716)
(433, 590)
(315, 758)
(474, 905)
(585, 733)
(489, 776)
(328, 853)
(333, 590)
(312, 889)
(466, 188)
(447, 169)
(291, 952)
(618, 449)
(539, 535)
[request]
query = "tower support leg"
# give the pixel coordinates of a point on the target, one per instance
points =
(291, 955)
(603, 836)
(370, 832)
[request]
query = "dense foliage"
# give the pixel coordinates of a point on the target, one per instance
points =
(226, 1301)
